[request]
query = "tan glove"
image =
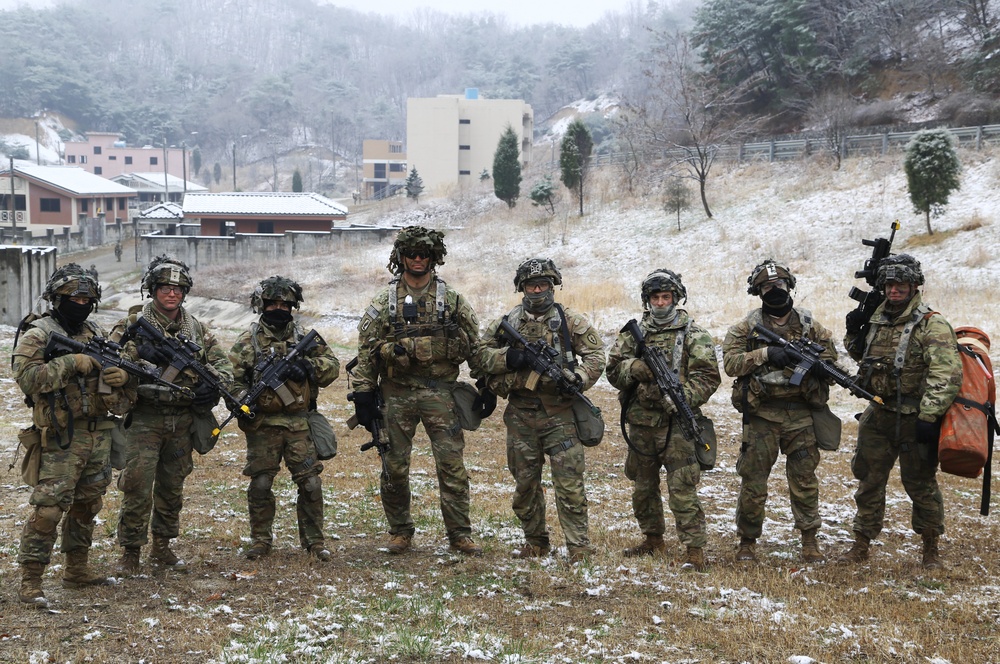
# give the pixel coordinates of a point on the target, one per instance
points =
(641, 372)
(85, 364)
(115, 376)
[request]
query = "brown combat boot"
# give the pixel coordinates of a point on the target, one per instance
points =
(653, 545)
(78, 575)
(399, 544)
(531, 551)
(694, 560)
(810, 548)
(162, 554)
(931, 557)
(747, 553)
(129, 562)
(319, 551)
(31, 584)
(467, 546)
(858, 552)
(258, 550)
(580, 554)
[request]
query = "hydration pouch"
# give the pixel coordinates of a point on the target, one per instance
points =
(324, 440)
(589, 425)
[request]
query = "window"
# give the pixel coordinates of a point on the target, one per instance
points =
(128, 160)
(464, 173)
(97, 149)
(112, 157)
(122, 203)
(396, 148)
(109, 204)
(71, 159)
(50, 204)
(153, 161)
(19, 202)
(464, 147)
(465, 122)
(397, 168)
(379, 170)
(265, 226)
(98, 170)
(84, 205)
(83, 159)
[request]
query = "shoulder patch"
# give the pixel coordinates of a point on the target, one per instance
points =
(592, 339)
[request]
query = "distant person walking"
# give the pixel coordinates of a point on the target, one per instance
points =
(118, 251)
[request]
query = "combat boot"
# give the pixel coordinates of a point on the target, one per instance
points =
(695, 559)
(258, 550)
(31, 584)
(747, 553)
(162, 554)
(320, 552)
(931, 557)
(580, 554)
(129, 562)
(531, 551)
(858, 552)
(467, 546)
(78, 575)
(399, 544)
(810, 548)
(653, 545)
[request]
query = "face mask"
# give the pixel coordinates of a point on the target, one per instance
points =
(277, 317)
(777, 302)
(662, 315)
(74, 313)
(538, 303)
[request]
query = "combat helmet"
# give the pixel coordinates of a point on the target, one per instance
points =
(767, 271)
(276, 288)
(536, 268)
(663, 280)
(412, 238)
(166, 270)
(899, 267)
(71, 280)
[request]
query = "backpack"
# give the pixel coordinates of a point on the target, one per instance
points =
(965, 447)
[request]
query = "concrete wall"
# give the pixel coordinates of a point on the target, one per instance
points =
(203, 251)
(97, 232)
(23, 274)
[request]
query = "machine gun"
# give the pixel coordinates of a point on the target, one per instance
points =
(807, 356)
(669, 384)
(869, 300)
(379, 440)
(108, 354)
(272, 372)
(543, 361)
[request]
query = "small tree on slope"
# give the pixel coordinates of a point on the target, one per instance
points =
(932, 170)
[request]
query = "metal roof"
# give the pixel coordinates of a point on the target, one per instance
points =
(170, 211)
(73, 179)
(153, 181)
(262, 202)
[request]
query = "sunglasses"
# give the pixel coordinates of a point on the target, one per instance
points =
(416, 253)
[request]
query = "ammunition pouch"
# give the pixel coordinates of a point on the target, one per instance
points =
(160, 394)
(299, 394)
(322, 435)
(31, 440)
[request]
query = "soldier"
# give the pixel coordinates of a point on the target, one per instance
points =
(71, 400)
(541, 421)
(164, 421)
(777, 416)
(281, 431)
(118, 251)
(910, 359)
(412, 340)
(656, 439)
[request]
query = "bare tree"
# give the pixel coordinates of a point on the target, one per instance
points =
(831, 115)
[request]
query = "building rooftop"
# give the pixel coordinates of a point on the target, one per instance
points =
(72, 179)
(262, 202)
(170, 211)
(153, 181)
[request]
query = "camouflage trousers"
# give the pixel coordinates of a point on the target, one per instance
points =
(435, 408)
(873, 460)
(531, 434)
(683, 474)
(157, 461)
(71, 482)
(266, 447)
(789, 431)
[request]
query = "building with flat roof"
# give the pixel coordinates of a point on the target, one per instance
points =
(105, 153)
(383, 168)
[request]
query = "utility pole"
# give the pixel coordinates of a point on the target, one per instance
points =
(234, 166)
(166, 182)
(38, 154)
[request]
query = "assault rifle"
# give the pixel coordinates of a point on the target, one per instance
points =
(669, 384)
(272, 372)
(379, 440)
(807, 355)
(870, 300)
(108, 354)
(182, 354)
(543, 361)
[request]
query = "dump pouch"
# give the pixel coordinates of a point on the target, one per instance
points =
(31, 440)
(589, 425)
(322, 436)
(465, 396)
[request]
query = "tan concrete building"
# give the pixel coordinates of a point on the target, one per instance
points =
(383, 169)
(107, 155)
(450, 139)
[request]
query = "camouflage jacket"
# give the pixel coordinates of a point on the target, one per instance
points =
(211, 355)
(697, 365)
(765, 382)
(436, 332)
(246, 353)
(55, 388)
(586, 345)
(931, 373)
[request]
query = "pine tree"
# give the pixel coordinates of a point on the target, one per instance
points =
(932, 170)
(414, 185)
(543, 195)
(574, 158)
(297, 181)
(217, 172)
(507, 168)
(676, 197)
(196, 160)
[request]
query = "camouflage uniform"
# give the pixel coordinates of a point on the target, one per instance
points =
(417, 387)
(652, 431)
(282, 431)
(930, 378)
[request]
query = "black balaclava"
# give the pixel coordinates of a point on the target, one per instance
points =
(776, 302)
(72, 314)
(277, 318)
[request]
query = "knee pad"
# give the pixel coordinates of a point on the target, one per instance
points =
(260, 485)
(87, 511)
(311, 486)
(46, 519)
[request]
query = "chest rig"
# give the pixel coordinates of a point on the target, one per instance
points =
(422, 317)
(777, 376)
(554, 330)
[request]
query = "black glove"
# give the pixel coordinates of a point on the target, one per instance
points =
(779, 357)
(485, 402)
(205, 395)
(516, 359)
(365, 408)
(928, 433)
(298, 371)
(153, 355)
(854, 321)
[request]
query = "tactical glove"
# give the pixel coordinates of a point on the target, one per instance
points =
(641, 372)
(485, 402)
(153, 355)
(365, 408)
(778, 356)
(854, 321)
(85, 364)
(205, 395)
(516, 359)
(928, 433)
(394, 353)
(115, 376)
(298, 371)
